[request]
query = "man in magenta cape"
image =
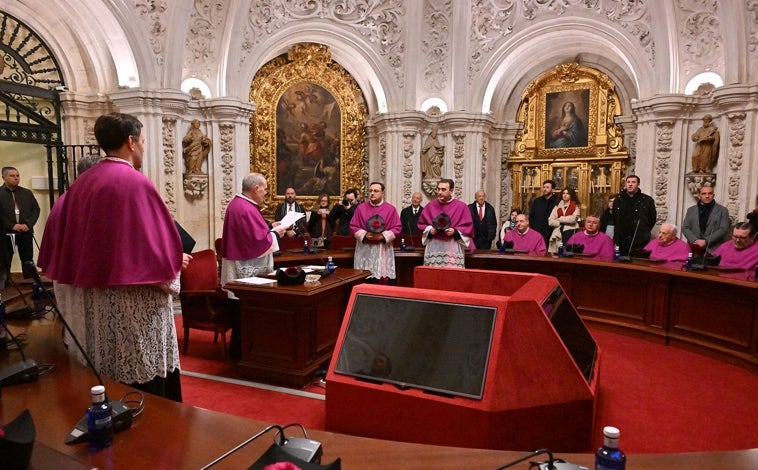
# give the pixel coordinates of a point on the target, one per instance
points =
(247, 244)
(107, 238)
(525, 239)
(446, 247)
(115, 254)
(667, 246)
(597, 245)
(742, 251)
(373, 246)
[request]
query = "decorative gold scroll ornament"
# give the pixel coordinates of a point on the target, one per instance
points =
(311, 63)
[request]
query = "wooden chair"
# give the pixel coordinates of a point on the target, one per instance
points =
(342, 242)
(292, 243)
(204, 305)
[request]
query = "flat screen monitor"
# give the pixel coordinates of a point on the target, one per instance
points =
(438, 347)
(572, 331)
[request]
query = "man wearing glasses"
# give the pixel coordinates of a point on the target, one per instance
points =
(742, 252)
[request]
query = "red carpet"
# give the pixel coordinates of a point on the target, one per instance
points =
(662, 398)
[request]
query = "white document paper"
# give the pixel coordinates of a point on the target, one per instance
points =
(258, 281)
(291, 217)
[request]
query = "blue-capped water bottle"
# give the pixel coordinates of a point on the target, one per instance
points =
(616, 253)
(688, 264)
(306, 248)
(330, 266)
(609, 456)
(561, 250)
(99, 420)
(402, 245)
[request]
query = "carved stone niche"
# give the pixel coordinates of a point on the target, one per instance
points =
(695, 181)
(195, 185)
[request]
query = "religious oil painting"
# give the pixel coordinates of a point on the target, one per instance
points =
(308, 121)
(567, 116)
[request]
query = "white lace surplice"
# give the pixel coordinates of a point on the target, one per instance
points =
(379, 258)
(128, 332)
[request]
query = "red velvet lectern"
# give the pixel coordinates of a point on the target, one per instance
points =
(540, 381)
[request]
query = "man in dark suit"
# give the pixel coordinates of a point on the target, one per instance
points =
(542, 206)
(485, 221)
(707, 222)
(19, 212)
(291, 205)
(409, 216)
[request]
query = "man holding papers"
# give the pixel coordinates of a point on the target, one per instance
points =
(247, 243)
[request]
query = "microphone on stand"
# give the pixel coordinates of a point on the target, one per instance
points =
(26, 370)
(122, 414)
(628, 257)
(701, 266)
(298, 450)
(410, 234)
(551, 464)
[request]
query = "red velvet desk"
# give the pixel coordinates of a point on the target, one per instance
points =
(176, 436)
(289, 332)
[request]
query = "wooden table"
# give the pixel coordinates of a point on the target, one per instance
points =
(177, 436)
(289, 332)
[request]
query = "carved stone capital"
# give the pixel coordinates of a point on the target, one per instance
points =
(695, 181)
(195, 186)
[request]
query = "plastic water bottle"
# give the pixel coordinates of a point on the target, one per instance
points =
(330, 265)
(616, 253)
(402, 245)
(306, 248)
(99, 420)
(561, 250)
(688, 264)
(609, 456)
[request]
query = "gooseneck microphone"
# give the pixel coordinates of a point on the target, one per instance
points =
(410, 234)
(121, 413)
(26, 370)
(628, 256)
(551, 464)
(528, 456)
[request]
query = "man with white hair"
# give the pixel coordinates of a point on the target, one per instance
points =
(667, 246)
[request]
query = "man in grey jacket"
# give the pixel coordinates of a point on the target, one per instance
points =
(706, 224)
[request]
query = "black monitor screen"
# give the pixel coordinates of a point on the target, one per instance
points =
(571, 330)
(434, 346)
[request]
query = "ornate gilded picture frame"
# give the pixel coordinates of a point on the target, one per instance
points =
(567, 119)
(570, 136)
(308, 129)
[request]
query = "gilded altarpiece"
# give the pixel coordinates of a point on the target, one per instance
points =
(308, 129)
(569, 135)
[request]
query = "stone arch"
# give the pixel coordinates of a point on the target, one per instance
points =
(363, 65)
(601, 49)
(68, 34)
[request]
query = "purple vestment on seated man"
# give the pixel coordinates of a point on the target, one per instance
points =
(597, 246)
(746, 258)
(530, 241)
(674, 251)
